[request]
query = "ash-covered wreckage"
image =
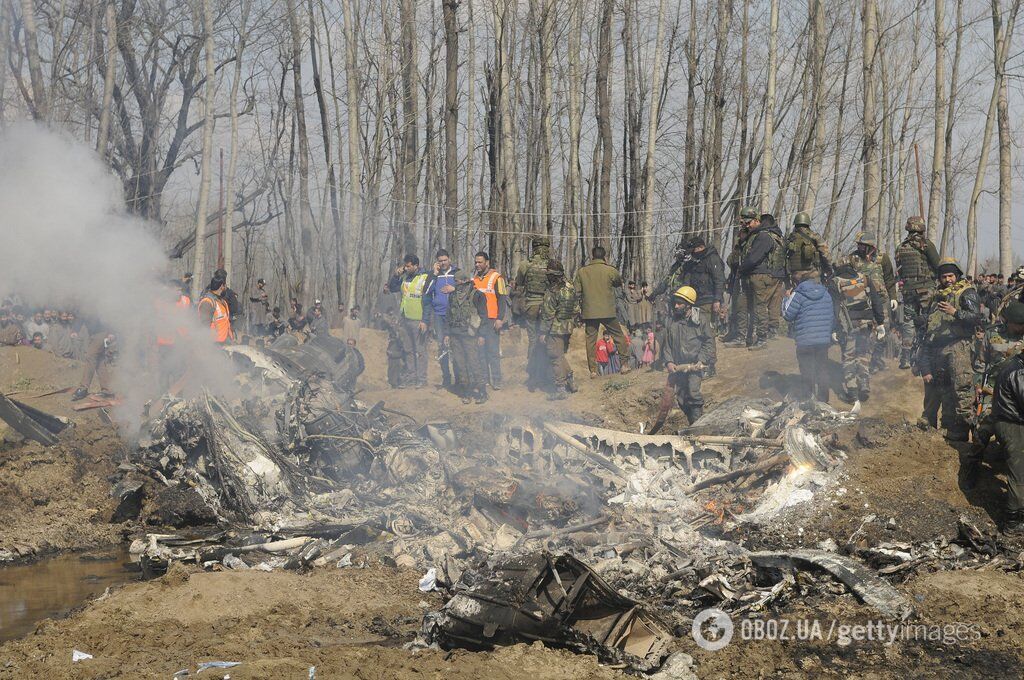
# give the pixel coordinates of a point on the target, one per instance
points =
(592, 539)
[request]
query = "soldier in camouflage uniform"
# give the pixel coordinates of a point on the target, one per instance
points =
(466, 308)
(862, 296)
(528, 290)
(998, 345)
(558, 315)
(881, 270)
(954, 312)
(739, 315)
(807, 253)
(916, 263)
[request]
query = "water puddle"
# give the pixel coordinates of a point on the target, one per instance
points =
(53, 587)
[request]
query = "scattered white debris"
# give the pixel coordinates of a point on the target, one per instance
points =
(77, 656)
(429, 581)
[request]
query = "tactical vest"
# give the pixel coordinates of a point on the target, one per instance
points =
(855, 293)
(913, 266)
(777, 255)
(874, 270)
(565, 307)
(941, 329)
(462, 313)
(1001, 347)
(537, 277)
(802, 252)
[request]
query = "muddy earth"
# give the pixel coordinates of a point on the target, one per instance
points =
(899, 484)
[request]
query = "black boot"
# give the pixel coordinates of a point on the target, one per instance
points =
(905, 358)
(694, 412)
(1014, 523)
(969, 473)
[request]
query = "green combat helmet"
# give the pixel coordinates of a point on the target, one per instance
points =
(748, 213)
(802, 219)
(865, 239)
(915, 224)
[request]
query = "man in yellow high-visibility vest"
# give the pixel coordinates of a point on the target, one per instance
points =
(411, 282)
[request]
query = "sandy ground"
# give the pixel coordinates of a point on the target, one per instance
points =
(351, 623)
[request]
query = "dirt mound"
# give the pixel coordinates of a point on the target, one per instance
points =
(348, 623)
(54, 498)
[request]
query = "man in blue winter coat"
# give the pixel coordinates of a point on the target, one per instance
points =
(809, 312)
(439, 287)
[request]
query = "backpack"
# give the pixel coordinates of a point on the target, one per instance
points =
(802, 252)
(462, 313)
(777, 255)
(854, 292)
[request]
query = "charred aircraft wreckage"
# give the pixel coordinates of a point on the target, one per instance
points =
(596, 540)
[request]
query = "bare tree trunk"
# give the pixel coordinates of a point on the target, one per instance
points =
(39, 104)
(714, 210)
(869, 213)
(769, 115)
(602, 220)
(818, 84)
(547, 46)
(229, 209)
(1000, 33)
(470, 130)
(939, 143)
(305, 278)
(575, 119)
(742, 169)
(1005, 166)
(108, 79)
(690, 143)
(646, 234)
(352, 104)
(410, 122)
(947, 223)
(206, 165)
(451, 123)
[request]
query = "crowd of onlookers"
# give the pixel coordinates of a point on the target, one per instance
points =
(61, 332)
(265, 321)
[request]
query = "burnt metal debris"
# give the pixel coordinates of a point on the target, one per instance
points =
(583, 537)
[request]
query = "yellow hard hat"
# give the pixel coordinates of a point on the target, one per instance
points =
(686, 293)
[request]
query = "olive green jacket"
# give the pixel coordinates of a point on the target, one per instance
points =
(594, 283)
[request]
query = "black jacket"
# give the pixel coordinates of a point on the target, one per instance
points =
(705, 273)
(759, 245)
(1008, 398)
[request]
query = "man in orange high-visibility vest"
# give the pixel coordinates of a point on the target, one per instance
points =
(214, 310)
(488, 281)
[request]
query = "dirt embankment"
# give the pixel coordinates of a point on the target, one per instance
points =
(54, 498)
(349, 623)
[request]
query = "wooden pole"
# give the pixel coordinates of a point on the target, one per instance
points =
(920, 191)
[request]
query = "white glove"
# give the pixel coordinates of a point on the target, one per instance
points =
(880, 331)
(893, 304)
(835, 337)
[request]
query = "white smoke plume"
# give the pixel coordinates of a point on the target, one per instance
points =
(67, 241)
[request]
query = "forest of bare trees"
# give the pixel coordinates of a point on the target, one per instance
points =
(312, 142)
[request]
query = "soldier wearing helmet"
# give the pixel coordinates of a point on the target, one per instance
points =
(917, 263)
(807, 253)
(558, 316)
(739, 314)
(945, 363)
(686, 350)
(867, 258)
(531, 282)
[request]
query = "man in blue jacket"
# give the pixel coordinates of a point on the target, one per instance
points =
(439, 287)
(808, 310)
